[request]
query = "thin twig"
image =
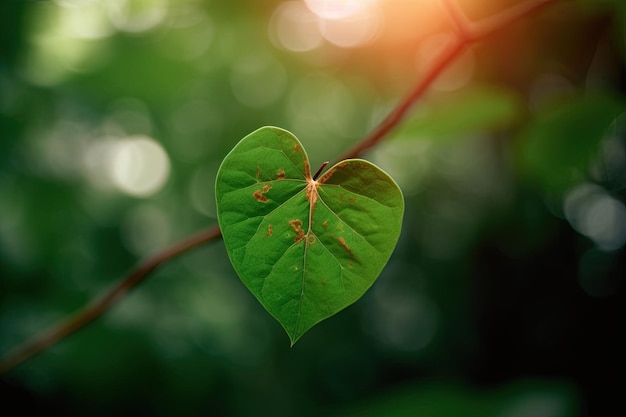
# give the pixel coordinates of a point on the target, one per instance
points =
(96, 308)
(399, 112)
(479, 30)
(467, 33)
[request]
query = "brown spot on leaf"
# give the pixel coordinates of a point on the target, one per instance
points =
(259, 195)
(330, 173)
(327, 175)
(310, 239)
(297, 148)
(324, 282)
(296, 225)
(280, 175)
(325, 224)
(352, 199)
(343, 243)
(269, 230)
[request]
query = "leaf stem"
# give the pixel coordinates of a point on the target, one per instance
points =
(319, 170)
(466, 32)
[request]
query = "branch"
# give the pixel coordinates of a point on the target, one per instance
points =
(471, 33)
(399, 112)
(96, 308)
(467, 34)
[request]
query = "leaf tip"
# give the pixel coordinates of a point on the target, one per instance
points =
(293, 340)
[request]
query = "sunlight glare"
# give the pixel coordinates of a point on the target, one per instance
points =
(354, 30)
(303, 26)
(337, 9)
(294, 27)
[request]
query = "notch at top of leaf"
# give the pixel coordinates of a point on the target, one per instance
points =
(306, 248)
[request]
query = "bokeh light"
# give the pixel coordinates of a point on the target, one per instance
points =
(84, 18)
(138, 166)
(136, 15)
(595, 214)
(356, 29)
(64, 40)
(338, 9)
(303, 26)
(294, 27)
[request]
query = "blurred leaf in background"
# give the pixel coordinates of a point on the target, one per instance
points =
(503, 296)
(560, 145)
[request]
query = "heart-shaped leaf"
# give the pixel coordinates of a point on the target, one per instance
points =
(306, 248)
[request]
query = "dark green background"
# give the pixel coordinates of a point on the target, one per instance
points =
(502, 298)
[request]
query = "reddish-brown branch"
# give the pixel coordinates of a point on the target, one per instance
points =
(399, 112)
(466, 34)
(102, 304)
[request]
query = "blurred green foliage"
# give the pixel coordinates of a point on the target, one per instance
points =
(502, 298)
(462, 113)
(560, 145)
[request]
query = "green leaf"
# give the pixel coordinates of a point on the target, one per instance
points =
(305, 248)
